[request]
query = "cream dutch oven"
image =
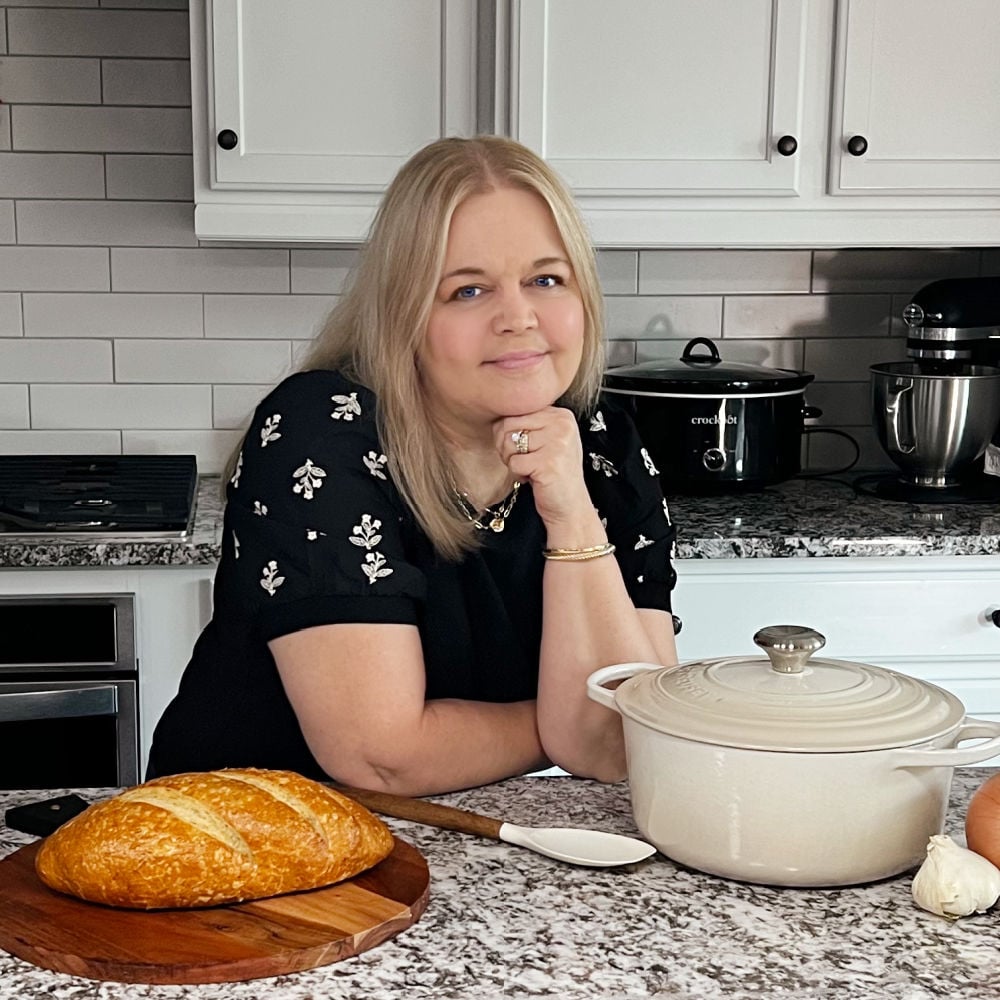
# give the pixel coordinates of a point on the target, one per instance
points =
(788, 770)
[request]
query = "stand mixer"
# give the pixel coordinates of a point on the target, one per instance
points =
(937, 414)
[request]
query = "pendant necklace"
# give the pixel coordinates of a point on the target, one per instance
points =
(498, 517)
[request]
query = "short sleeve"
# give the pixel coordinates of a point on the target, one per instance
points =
(625, 488)
(314, 528)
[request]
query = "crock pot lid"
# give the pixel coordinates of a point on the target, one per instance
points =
(831, 706)
(703, 372)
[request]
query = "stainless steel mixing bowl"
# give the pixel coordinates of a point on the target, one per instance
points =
(934, 426)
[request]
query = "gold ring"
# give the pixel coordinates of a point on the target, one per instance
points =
(521, 441)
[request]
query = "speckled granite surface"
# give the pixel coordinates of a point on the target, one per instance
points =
(504, 922)
(799, 518)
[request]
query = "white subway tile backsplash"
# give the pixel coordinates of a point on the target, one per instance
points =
(828, 452)
(211, 448)
(106, 223)
(51, 175)
(35, 80)
(4, 123)
(321, 271)
(806, 316)
(619, 352)
(25, 360)
(715, 272)
(60, 442)
(618, 271)
(149, 4)
(3, 34)
(844, 404)
(14, 414)
(233, 405)
(199, 270)
(101, 130)
(93, 407)
(661, 318)
(43, 269)
(118, 314)
(201, 361)
(149, 177)
(6, 222)
(10, 315)
(98, 33)
(147, 81)
(848, 359)
(297, 317)
(889, 270)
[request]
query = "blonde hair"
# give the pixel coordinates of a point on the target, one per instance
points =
(374, 333)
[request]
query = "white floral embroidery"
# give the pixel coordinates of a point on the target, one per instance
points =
(597, 422)
(347, 407)
(236, 546)
(374, 566)
(376, 463)
(639, 579)
(366, 533)
(270, 581)
(312, 534)
(643, 542)
(666, 512)
(269, 432)
(600, 464)
(310, 477)
(239, 468)
(260, 509)
(650, 468)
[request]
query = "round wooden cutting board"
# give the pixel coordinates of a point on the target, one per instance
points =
(221, 944)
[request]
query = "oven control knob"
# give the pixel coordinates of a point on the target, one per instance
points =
(714, 459)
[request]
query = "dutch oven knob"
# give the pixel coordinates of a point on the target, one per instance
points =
(789, 646)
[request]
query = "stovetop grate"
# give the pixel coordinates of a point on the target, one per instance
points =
(96, 493)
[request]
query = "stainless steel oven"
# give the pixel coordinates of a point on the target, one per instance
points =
(68, 691)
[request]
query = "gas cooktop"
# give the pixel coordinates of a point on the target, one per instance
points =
(136, 497)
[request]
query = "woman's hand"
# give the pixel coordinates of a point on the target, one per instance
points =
(553, 465)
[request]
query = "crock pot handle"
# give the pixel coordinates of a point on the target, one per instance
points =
(616, 672)
(713, 359)
(970, 729)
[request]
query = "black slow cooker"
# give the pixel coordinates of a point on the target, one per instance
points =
(716, 426)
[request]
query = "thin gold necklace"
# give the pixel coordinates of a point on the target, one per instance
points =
(498, 517)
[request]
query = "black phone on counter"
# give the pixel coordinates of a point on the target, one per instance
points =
(44, 817)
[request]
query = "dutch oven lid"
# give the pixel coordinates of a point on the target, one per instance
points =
(789, 702)
(703, 373)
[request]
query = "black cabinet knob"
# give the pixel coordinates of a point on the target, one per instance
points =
(678, 624)
(228, 139)
(787, 145)
(857, 145)
(995, 618)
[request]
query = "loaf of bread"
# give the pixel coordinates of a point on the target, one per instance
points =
(201, 839)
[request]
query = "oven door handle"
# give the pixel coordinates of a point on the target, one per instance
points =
(65, 703)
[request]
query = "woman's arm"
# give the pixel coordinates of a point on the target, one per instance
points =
(358, 692)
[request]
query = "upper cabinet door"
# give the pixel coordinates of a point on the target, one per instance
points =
(916, 98)
(661, 97)
(334, 95)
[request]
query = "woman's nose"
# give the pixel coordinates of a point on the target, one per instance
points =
(515, 312)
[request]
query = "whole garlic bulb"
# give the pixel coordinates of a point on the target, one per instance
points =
(954, 881)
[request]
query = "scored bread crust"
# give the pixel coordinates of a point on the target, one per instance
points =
(205, 838)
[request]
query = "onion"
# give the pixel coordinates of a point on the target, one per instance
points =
(982, 821)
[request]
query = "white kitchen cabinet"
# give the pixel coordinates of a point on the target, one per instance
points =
(929, 617)
(172, 605)
(669, 118)
(303, 112)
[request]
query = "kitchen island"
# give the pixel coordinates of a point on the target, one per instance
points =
(503, 922)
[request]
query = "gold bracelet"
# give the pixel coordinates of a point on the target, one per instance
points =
(579, 555)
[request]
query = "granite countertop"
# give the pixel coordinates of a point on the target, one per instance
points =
(504, 922)
(800, 517)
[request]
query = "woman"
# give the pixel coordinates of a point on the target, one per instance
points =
(418, 572)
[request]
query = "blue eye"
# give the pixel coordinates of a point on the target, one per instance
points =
(467, 292)
(546, 281)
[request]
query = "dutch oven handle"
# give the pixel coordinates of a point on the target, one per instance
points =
(596, 690)
(970, 729)
(700, 359)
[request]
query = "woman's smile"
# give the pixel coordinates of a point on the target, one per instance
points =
(518, 360)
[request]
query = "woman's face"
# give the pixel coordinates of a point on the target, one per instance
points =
(505, 334)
